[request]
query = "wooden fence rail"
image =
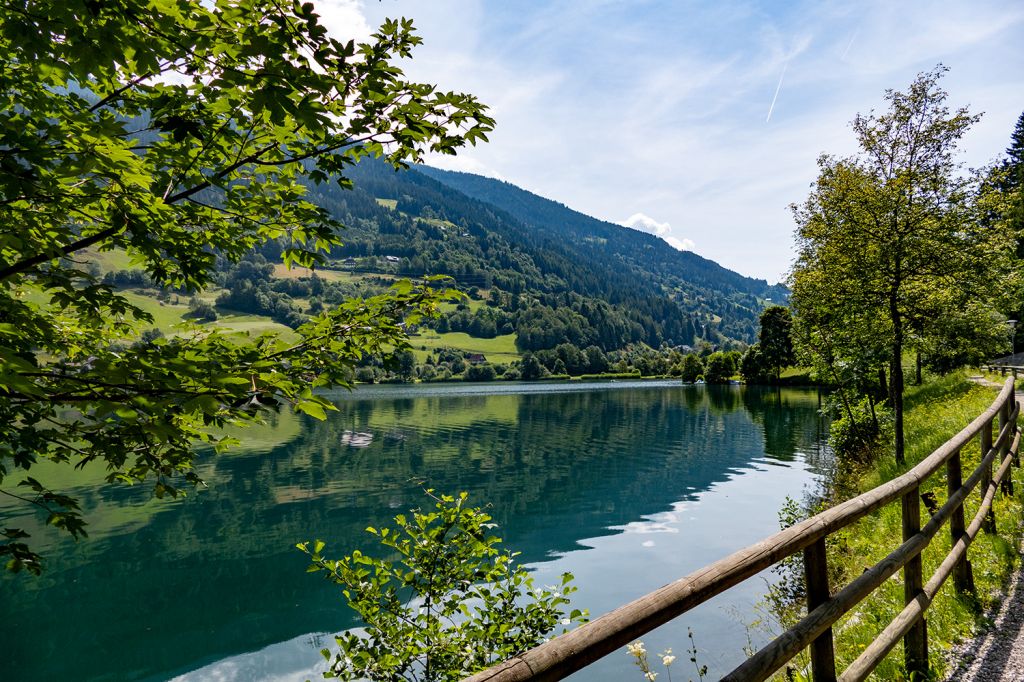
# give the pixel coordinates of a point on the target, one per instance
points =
(574, 650)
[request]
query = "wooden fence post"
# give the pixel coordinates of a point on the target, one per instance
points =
(823, 659)
(989, 525)
(963, 577)
(1013, 430)
(915, 642)
(1006, 485)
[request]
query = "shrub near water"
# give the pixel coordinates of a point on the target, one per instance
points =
(450, 602)
(936, 412)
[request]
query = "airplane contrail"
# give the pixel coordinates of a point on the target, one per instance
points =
(777, 88)
(850, 44)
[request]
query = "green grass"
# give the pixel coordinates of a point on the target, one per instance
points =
(935, 412)
(499, 349)
(295, 272)
(437, 222)
(114, 259)
(388, 203)
(472, 303)
(254, 325)
(165, 315)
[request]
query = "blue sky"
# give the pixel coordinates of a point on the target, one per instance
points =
(656, 114)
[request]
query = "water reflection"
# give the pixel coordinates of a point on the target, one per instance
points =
(172, 587)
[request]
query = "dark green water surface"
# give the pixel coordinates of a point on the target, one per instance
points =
(627, 485)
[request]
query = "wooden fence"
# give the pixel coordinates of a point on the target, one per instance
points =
(574, 650)
(1004, 369)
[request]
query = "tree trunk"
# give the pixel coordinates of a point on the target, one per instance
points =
(917, 373)
(896, 378)
(896, 393)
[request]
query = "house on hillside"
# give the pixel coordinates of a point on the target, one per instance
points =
(475, 358)
(392, 259)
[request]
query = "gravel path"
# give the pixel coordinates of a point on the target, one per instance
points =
(996, 655)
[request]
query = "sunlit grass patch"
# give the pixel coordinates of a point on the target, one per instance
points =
(499, 349)
(936, 411)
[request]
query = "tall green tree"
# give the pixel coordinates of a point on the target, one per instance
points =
(776, 339)
(180, 132)
(719, 368)
(753, 368)
(693, 367)
(1007, 205)
(890, 245)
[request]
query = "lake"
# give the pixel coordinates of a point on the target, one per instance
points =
(628, 485)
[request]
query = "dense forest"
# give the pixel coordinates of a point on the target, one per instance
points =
(552, 275)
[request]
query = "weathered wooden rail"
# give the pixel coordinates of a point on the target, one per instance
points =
(574, 650)
(1004, 369)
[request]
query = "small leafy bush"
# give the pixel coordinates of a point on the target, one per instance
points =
(449, 604)
(858, 436)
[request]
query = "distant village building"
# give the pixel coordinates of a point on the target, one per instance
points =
(349, 261)
(392, 259)
(475, 358)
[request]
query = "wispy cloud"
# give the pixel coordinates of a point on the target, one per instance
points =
(609, 105)
(645, 223)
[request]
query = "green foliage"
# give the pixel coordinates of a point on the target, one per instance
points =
(693, 368)
(201, 311)
(182, 133)
(893, 253)
(719, 369)
(530, 367)
(856, 436)
(449, 604)
(936, 411)
(776, 339)
(481, 372)
(753, 367)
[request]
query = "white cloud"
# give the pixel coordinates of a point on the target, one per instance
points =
(609, 105)
(645, 223)
(344, 19)
(683, 244)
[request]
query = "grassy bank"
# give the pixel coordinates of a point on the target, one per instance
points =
(935, 412)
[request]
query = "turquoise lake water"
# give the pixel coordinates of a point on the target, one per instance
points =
(628, 485)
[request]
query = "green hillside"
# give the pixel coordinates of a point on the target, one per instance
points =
(539, 277)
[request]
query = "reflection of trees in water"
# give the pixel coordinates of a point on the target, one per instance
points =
(791, 421)
(723, 398)
(555, 467)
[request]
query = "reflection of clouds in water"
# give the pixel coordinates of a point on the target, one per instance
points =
(356, 439)
(282, 662)
(665, 522)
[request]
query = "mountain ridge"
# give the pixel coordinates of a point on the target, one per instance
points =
(506, 195)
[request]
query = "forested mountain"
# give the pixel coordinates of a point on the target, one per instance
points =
(643, 253)
(553, 275)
